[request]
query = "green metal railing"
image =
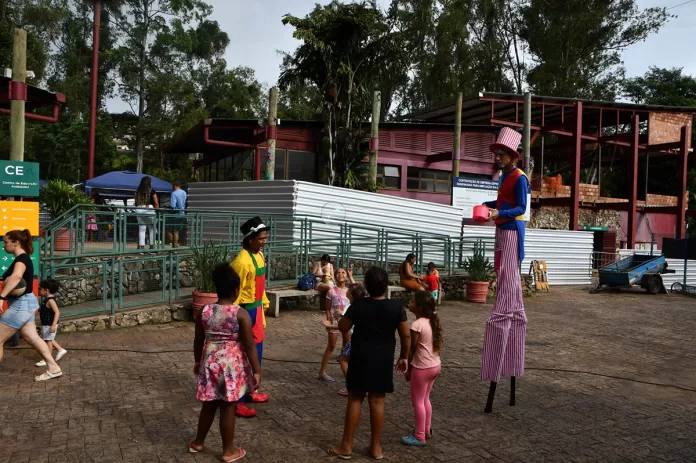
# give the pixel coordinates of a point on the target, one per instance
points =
(126, 277)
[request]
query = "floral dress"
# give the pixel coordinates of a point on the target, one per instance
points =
(225, 372)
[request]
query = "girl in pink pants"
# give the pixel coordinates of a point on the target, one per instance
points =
(423, 364)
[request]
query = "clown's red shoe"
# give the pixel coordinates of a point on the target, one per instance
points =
(244, 411)
(258, 398)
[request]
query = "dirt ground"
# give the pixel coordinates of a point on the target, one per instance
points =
(610, 377)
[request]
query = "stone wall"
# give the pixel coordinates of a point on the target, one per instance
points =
(151, 316)
(558, 218)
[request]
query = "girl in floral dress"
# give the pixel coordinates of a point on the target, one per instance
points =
(225, 356)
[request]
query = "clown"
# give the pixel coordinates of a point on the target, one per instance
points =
(503, 349)
(250, 265)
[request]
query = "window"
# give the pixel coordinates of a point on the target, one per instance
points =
(389, 177)
(301, 166)
(428, 180)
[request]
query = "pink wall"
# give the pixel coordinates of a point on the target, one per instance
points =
(663, 225)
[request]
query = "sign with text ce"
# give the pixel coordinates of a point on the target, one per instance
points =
(19, 178)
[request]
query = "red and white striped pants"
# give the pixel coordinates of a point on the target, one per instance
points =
(503, 347)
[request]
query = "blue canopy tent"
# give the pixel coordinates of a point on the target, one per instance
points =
(124, 182)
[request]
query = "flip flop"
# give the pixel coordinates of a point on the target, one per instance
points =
(192, 449)
(332, 451)
(48, 375)
(242, 454)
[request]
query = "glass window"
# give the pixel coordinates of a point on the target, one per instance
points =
(389, 177)
(428, 180)
(301, 166)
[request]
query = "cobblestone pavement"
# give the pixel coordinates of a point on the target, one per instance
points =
(585, 396)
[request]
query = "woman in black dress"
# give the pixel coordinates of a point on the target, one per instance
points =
(371, 368)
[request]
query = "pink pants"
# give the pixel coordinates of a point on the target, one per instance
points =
(422, 381)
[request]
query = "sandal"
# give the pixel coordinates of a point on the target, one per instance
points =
(48, 375)
(332, 451)
(192, 449)
(343, 392)
(326, 379)
(242, 454)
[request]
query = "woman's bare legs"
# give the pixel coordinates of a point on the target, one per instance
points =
(330, 347)
(355, 400)
(6, 332)
(28, 332)
(376, 402)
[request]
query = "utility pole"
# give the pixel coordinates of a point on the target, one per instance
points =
(18, 94)
(457, 136)
(271, 132)
(95, 82)
(526, 133)
(374, 138)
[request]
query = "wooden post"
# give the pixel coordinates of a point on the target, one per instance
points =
(456, 153)
(18, 103)
(271, 132)
(526, 132)
(374, 138)
(575, 186)
(633, 184)
(682, 178)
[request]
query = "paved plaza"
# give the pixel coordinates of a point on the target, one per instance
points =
(610, 377)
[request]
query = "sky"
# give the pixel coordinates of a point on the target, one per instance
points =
(257, 35)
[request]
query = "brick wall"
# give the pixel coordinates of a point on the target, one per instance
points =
(590, 193)
(666, 127)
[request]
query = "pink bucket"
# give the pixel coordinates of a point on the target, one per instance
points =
(481, 213)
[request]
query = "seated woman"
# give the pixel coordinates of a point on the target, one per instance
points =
(324, 273)
(408, 279)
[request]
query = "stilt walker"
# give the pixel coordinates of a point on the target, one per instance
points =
(503, 348)
(250, 265)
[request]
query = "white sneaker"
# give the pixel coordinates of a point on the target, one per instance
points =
(61, 354)
(41, 363)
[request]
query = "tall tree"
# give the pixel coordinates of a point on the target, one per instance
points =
(163, 41)
(576, 45)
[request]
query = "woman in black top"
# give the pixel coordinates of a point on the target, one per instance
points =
(21, 310)
(146, 202)
(371, 367)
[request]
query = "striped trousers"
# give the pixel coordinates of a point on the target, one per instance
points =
(503, 348)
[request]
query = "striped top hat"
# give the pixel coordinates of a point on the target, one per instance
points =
(508, 140)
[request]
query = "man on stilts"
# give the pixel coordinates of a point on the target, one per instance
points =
(250, 265)
(503, 349)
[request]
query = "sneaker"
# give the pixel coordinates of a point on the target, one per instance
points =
(244, 411)
(412, 441)
(61, 353)
(326, 379)
(258, 398)
(42, 363)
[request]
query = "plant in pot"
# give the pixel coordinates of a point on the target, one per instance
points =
(57, 197)
(480, 270)
(202, 263)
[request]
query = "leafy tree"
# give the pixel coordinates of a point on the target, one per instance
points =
(576, 45)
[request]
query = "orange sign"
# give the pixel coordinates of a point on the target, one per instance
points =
(18, 215)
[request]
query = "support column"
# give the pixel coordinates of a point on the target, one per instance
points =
(682, 176)
(457, 148)
(633, 184)
(95, 84)
(526, 132)
(374, 139)
(271, 131)
(575, 182)
(18, 94)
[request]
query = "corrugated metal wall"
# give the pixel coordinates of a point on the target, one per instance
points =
(567, 254)
(277, 197)
(674, 264)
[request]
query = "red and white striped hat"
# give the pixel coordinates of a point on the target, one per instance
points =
(508, 140)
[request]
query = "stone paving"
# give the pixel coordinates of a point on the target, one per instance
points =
(586, 396)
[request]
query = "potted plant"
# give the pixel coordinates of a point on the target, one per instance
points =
(202, 263)
(480, 270)
(57, 197)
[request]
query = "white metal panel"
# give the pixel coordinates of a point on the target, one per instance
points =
(404, 217)
(567, 254)
(674, 264)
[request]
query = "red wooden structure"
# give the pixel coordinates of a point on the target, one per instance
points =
(635, 131)
(35, 98)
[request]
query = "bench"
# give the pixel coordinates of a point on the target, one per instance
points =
(274, 298)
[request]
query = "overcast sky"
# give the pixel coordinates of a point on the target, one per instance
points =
(256, 34)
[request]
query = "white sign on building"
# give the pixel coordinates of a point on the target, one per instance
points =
(469, 192)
